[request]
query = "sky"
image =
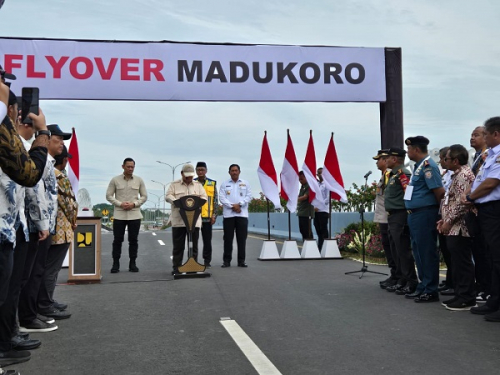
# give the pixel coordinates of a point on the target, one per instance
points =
(450, 58)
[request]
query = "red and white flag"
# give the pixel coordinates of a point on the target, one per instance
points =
(309, 168)
(267, 174)
(74, 164)
(331, 174)
(290, 177)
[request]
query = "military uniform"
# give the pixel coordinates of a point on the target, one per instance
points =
(305, 212)
(399, 234)
(381, 218)
(422, 218)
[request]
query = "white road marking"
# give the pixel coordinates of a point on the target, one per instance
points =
(154, 234)
(258, 359)
(161, 242)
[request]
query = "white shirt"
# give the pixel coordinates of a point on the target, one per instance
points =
(325, 195)
(232, 192)
(490, 169)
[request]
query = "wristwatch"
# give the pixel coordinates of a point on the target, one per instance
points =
(43, 132)
(469, 198)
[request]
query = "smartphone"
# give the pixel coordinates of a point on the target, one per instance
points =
(30, 101)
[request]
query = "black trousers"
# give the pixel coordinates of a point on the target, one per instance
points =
(8, 310)
(55, 259)
(399, 236)
(386, 244)
(119, 234)
(28, 305)
(448, 259)
(230, 226)
(6, 306)
(305, 228)
(6, 264)
(482, 261)
(321, 226)
(463, 269)
(179, 235)
(206, 234)
(489, 218)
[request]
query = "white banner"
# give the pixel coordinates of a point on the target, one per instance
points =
(68, 69)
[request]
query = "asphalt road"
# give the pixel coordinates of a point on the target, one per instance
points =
(307, 317)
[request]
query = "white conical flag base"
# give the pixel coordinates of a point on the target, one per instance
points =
(330, 250)
(310, 250)
(290, 250)
(269, 250)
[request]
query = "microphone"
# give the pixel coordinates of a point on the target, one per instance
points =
(367, 174)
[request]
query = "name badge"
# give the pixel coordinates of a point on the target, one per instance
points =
(408, 193)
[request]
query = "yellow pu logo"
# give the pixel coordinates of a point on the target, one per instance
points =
(84, 239)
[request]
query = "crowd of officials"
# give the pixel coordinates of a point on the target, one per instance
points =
(38, 212)
(453, 207)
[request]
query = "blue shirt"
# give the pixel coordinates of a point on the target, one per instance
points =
(425, 178)
(490, 169)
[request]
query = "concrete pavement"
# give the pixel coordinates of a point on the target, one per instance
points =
(307, 317)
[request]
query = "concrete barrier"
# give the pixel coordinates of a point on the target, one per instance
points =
(257, 223)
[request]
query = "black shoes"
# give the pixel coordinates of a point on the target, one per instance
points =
(208, 265)
(448, 301)
(406, 290)
(56, 314)
(60, 306)
(243, 265)
(448, 292)
(225, 265)
(116, 266)
(395, 287)
(460, 305)
(13, 356)
(427, 297)
(413, 295)
(175, 271)
(387, 283)
(23, 342)
(37, 326)
(132, 266)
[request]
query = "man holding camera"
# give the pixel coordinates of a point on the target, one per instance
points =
(25, 169)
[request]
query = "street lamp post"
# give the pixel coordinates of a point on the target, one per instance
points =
(164, 193)
(173, 167)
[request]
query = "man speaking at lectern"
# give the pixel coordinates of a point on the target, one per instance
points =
(178, 189)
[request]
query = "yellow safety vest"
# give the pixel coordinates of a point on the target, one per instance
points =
(209, 208)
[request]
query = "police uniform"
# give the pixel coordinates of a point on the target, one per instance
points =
(399, 234)
(423, 208)
(489, 216)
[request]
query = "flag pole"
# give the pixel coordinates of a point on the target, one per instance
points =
(330, 216)
(268, 222)
(289, 227)
(330, 211)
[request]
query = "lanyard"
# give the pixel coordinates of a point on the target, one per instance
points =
(417, 172)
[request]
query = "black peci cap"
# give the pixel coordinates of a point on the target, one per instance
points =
(418, 140)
